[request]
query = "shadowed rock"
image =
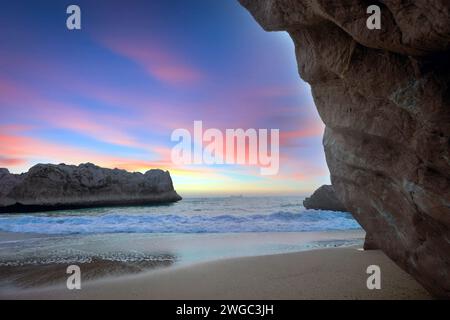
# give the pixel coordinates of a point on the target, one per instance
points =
(384, 96)
(324, 198)
(53, 187)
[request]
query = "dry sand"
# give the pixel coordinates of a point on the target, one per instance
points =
(338, 273)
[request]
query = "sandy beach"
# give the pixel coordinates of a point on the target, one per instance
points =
(338, 273)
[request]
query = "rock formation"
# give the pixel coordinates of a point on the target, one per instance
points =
(324, 198)
(384, 96)
(51, 187)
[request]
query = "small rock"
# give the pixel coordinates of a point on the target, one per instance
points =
(324, 198)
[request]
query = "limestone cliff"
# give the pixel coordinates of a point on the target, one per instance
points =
(384, 96)
(50, 187)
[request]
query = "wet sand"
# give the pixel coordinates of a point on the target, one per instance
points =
(34, 260)
(41, 275)
(338, 273)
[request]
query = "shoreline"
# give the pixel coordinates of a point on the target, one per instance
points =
(337, 273)
(38, 260)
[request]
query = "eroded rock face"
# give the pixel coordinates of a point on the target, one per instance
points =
(384, 96)
(324, 198)
(50, 187)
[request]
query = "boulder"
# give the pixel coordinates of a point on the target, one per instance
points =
(324, 198)
(384, 96)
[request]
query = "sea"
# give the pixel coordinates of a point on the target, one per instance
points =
(191, 215)
(193, 230)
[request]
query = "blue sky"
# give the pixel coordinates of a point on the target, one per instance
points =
(112, 92)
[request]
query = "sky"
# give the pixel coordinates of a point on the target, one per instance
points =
(113, 92)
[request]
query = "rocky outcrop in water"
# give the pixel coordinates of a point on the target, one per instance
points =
(324, 198)
(54, 187)
(384, 96)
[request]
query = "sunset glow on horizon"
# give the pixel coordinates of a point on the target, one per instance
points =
(112, 93)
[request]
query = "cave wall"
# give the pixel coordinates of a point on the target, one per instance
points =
(384, 96)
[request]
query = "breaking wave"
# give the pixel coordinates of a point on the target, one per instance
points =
(140, 222)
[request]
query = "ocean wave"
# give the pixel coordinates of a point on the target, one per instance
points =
(280, 221)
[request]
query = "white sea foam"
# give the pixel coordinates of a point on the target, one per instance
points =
(201, 215)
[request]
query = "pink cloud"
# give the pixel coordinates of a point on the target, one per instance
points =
(11, 162)
(159, 62)
(102, 127)
(22, 151)
(289, 138)
(19, 149)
